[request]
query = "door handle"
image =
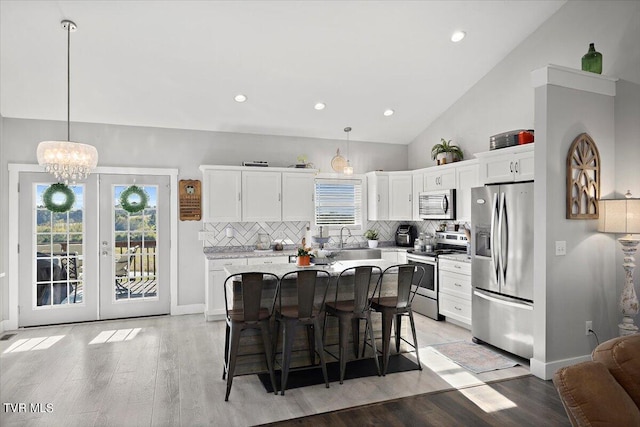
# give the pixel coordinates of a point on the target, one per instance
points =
(516, 167)
(378, 198)
(457, 284)
(501, 225)
(444, 204)
(105, 253)
(511, 167)
(492, 239)
(279, 197)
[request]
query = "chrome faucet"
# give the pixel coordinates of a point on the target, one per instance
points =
(342, 241)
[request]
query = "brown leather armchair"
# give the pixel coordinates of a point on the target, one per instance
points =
(606, 390)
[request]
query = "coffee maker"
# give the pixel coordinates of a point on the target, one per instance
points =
(406, 234)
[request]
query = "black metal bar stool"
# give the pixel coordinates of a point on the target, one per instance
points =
(303, 306)
(249, 310)
(353, 310)
(396, 306)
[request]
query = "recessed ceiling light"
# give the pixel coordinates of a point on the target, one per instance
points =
(388, 112)
(240, 97)
(457, 36)
(320, 106)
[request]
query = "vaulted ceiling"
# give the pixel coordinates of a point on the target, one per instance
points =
(179, 64)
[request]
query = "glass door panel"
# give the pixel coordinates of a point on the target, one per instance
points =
(134, 267)
(53, 246)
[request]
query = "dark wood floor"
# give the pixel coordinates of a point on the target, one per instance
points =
(523, 401)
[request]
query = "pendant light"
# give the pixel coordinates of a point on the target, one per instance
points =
(348, 169)
(67, 161)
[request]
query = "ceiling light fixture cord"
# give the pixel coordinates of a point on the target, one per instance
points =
(68, 81)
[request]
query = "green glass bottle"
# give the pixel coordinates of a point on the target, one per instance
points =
(592, 60)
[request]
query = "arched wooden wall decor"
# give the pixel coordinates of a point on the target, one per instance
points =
(583, 178)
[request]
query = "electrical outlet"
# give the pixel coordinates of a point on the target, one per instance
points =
(588, 327)
(561, 247)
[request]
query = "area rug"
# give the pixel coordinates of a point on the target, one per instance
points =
(355, 369)
(474, 357)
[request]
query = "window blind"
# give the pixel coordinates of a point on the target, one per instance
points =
(338, 202)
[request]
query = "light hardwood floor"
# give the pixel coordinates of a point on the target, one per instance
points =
(167, 371)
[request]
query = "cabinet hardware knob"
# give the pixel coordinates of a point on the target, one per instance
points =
(457, 308)
(457, 284)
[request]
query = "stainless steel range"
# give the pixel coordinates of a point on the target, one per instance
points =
(426, 299)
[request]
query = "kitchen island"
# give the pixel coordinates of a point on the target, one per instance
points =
(250, 357)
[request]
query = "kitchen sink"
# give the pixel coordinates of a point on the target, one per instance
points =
(356, 253)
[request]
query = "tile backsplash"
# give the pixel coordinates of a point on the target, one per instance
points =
(291, 233)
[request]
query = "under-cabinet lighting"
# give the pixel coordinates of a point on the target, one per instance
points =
(320, 106)
(240, 97)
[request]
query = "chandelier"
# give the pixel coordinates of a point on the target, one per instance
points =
(67, 161)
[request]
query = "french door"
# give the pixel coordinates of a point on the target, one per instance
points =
(96, 260)
(134, 247)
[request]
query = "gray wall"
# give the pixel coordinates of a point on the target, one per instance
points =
(186, 150)
(580, 286)
(504, 99)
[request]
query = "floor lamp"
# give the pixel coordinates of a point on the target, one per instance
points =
(622, 216)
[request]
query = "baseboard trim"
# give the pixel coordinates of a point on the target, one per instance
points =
(214, 315)
(187, 309)
(545, 370)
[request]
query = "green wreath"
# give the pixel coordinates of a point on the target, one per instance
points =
(133, 199)
(52, 195)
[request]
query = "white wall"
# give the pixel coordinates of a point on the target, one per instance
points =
(186, 150)
(627, 114)
(571, 289)
(3, 235)
(504, 99)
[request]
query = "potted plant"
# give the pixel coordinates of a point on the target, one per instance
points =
(304, 257)
(446, 152)
(372, 238)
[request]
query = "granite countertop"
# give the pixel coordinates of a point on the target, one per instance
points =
(456, 257)
(281, 269)
(211, 255)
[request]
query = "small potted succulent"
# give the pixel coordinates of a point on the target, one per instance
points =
(446, 152)
(372, 238)
(304, 257)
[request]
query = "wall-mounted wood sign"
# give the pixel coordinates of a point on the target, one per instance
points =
(190, 200)
(583, 178)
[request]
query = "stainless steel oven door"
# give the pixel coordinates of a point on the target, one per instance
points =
(428, 286)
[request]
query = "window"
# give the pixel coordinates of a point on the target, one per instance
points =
(338, 202)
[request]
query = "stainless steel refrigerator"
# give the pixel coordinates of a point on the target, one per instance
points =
(502, 266)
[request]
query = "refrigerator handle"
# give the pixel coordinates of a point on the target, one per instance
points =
(502, 301)
(502, 225)
(492, 240)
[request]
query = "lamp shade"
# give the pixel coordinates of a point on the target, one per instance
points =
(620, 216)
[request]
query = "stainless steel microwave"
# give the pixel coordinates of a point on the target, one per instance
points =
(439, 204)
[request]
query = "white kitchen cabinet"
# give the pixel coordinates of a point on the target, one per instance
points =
(418, 187)
(511, 164)
(221, 195)
(466, 178)
(454, 294)
(400, 196)
(377, 196)
(390, 256)
(440, 178)
(402, 256)
(261, 196)
(268, 260)
(297, 196)
(214, 290)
